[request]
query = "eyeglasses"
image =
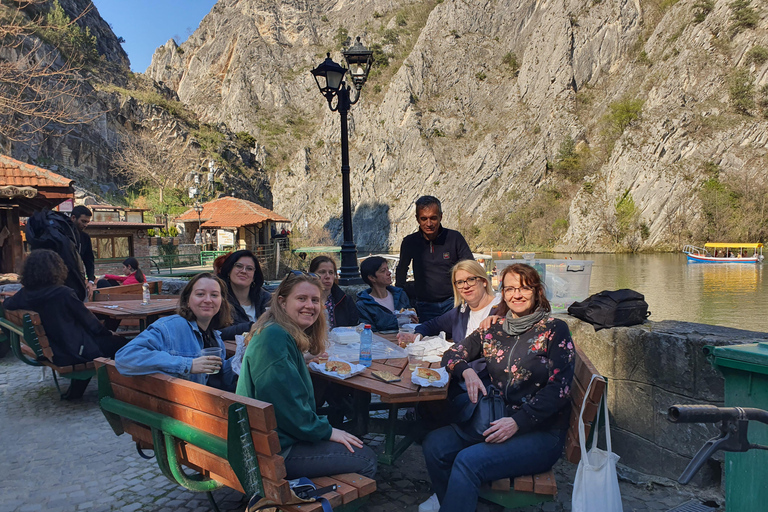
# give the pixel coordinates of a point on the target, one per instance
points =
(303, 273)
(510, 290)
(466, 283)
(247, 268)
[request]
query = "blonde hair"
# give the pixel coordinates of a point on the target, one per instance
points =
(311, 339)
(476, 270)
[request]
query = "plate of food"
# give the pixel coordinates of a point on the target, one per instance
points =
(429, 377)
(337, 368)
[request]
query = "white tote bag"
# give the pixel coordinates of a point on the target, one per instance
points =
(596, 487)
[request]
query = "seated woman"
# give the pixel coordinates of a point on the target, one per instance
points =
(341, 309)
(530, 359)
(247, 299)
(75, 334)
(132, 274)
(473, 298)
(173, 344)
(377, 304)
(274, 371)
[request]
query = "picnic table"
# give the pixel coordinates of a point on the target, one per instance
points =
(134, 309)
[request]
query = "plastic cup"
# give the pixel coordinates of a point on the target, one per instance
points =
(415, 357)
(212, 351)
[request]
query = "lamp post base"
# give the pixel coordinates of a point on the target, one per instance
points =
(349, 271)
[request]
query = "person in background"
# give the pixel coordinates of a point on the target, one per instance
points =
(377, 305)
(341, 309)
(274, 370)
(173, 344)
(530, 359)
(132, 274)
(75, 334)
(248, 300)
(434, 250)
(81, 216)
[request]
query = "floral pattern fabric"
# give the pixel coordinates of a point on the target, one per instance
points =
(534, 370)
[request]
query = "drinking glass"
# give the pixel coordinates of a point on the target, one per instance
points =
(415, 357)
(212, 351)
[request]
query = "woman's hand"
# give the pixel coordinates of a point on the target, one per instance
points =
(404, 338)
(345, 438)
(500, 430)
(489, 321)
(474, 384)
(309, 358)
(206, 364)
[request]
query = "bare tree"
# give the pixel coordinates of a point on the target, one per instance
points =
(142, 160)
(38, 88)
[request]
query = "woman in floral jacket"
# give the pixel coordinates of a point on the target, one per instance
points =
(530, 360)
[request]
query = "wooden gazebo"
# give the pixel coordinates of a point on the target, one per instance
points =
(25, 189)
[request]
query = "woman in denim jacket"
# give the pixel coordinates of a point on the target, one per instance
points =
(172, 345)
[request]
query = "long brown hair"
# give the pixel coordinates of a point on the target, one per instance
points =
(313, 338)
(528, 277)
(221, 319)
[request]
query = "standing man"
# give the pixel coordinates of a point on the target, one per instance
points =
(81, 217)
(434, 250)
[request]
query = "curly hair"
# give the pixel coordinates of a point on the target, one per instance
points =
(528, 277)
(224, 316)
(311, 339)
(43, 268)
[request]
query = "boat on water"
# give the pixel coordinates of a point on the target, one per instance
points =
(717, 252)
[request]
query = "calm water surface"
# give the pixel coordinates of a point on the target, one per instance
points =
(731, 295)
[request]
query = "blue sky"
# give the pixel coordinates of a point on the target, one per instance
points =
(147, 24)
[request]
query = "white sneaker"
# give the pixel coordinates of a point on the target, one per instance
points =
(431, 505)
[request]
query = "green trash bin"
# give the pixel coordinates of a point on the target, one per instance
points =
(745, 369)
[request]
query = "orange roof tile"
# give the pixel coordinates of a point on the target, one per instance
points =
(231, 212)
(14, 172)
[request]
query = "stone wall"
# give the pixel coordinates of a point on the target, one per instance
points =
(650, 367)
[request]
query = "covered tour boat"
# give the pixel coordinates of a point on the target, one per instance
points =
(724, 253)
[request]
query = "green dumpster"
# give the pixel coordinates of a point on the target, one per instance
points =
(745, 369)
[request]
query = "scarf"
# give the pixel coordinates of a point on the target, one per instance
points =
(516, 326)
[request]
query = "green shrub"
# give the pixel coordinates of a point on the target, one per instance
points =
(76, 44)
(701, 9)
(380, 57)
(624, 112)
(743, 16)
(762, 99)
(341, 38)
(510, 60)
(480, 76)
(245, 140)
(757, 54)
(377, 14)
(569, 162)
(741, 89)
(401, 19)
(324, 18)
(390, 36)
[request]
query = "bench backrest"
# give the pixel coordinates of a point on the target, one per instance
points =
(583, 372)
(34, 332)
(145, 407)
(155, 287)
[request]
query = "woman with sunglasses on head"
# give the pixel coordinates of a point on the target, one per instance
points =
(341, 309)
(173, 344)
(274, 371)
(530, 360)
(241, 272)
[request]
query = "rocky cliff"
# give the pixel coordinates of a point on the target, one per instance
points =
(581, 124)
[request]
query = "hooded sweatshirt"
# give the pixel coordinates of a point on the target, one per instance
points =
(70, 327)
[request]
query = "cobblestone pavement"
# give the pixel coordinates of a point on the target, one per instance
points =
(60, 456)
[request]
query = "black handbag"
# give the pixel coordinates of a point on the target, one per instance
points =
(475, 418)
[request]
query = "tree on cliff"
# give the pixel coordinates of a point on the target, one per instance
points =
(142, 160)
(39, 85)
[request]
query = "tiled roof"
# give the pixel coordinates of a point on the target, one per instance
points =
(117, 224)
(14, 172)
(231, 212)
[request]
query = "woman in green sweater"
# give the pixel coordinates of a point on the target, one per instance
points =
(274, 371)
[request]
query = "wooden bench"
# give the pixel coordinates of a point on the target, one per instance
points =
(225, 439)
(533, 489)
(117, 292)
(29, 344)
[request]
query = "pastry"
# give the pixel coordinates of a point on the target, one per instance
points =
(340, 367)
(427, 373)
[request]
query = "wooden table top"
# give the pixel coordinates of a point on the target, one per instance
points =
(133, 308)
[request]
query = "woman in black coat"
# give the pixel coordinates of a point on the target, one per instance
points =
(248, 300)
(75, 334)
(342, 310)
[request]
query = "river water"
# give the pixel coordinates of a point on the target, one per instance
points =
(727, 294)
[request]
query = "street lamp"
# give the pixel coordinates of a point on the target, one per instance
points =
(329, 77)
(199, 209)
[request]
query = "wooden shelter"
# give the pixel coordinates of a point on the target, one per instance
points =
(25, 189)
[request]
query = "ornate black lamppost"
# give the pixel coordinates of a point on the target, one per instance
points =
(199, 209)
(330, 80)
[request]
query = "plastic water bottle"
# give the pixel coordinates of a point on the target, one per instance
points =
(366, 339)
(145, 293)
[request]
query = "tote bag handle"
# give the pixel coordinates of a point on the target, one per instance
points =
(604, 406)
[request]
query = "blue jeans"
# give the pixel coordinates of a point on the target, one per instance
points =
(458, 467)
(327, 458)
(430, 310)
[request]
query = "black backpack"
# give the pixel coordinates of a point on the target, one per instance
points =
(611, 309)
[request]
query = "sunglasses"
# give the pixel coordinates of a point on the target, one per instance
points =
(302, 273)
